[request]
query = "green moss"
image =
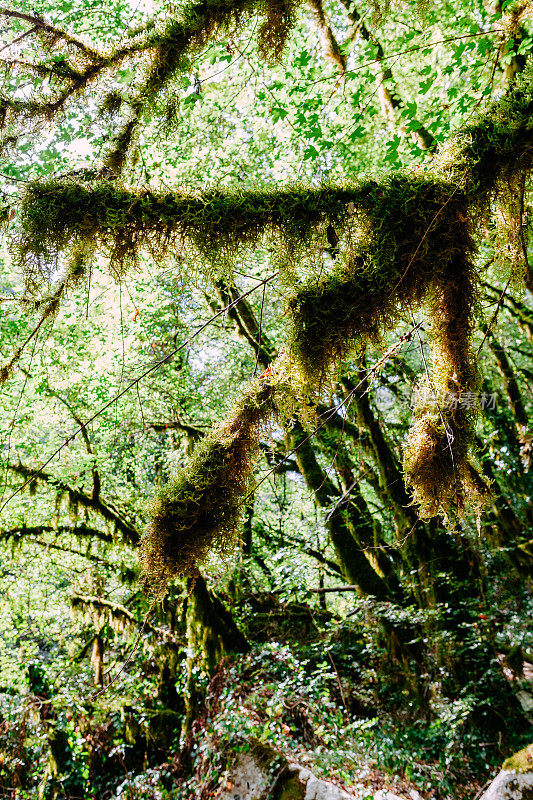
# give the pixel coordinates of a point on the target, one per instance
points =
(291, 789)
(200, 507)
(61, 216)
(498, 145)
(521, 761)
(201, 21)
(164, 727)
(416, 248)
(404, 242)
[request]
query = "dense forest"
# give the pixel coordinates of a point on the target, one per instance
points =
(266, 315)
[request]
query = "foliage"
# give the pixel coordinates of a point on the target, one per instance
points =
(237, 264)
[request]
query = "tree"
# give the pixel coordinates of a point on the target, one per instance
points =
(352, 258)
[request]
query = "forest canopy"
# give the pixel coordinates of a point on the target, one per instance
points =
(266, 378)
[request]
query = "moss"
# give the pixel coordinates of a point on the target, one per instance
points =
(291, 788)
(63, 216)
(405, 242)
(498, 145)
(416, 247)
(200, 22)
(405, 238)
(200, 507)
(521, 761)
(164, 727)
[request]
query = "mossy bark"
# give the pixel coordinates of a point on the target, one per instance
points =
(211, 634)
(345, 530)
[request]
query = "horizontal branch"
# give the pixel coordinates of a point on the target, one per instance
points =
(81, 531)
(327, 589)
(119, 613)
(128, 530)
(194, 432)
(59, 215)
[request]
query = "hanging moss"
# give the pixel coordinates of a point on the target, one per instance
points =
(413, 245)
(436, 457)
(200, 22)
(199, 508)
(169, 51)
(63, 216)
(57, 216)
(438, 468)
(410, 228)
(416, 247)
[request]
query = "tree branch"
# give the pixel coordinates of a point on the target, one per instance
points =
(330, 46)
(120, 613)
(81, 531)
(390, 102)
(128, 530)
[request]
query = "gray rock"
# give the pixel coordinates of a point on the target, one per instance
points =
(251, 779)
(526, 700)
(315, 788)
(508, 785)
(248, 779)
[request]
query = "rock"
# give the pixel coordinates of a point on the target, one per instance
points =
(515, 781)
(509, 785)
(315, 788)
(261, 774)
(248, 779)
(526, 700)
(386, 794)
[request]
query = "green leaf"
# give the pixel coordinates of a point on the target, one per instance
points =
(278, 112)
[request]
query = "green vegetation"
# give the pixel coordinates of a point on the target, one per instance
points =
(265, 365)
(200, 507)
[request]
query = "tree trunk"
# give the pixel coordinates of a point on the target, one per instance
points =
(211, 635)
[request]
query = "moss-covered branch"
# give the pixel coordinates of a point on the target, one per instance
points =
(52, 32)
(330, 46)
(105, 509)
(18, 535)
(408, 241)
(200, 507)
(62, 215)
(65, 216)
(165, 51)
(79, 531)
(104, 612)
